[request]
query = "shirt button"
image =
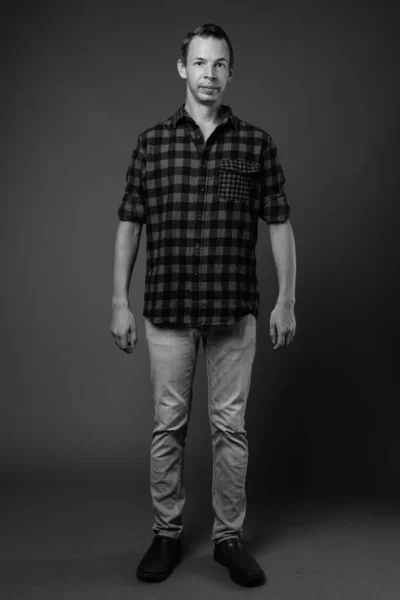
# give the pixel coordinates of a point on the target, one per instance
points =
(197, 244)
(199, 216)
(202, 189)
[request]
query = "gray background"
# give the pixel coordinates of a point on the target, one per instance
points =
(80, 81)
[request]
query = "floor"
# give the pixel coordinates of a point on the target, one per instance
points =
(67, 538)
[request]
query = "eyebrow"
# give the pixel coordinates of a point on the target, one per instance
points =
(216, 60)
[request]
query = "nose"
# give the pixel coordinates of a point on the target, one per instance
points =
(209, 72)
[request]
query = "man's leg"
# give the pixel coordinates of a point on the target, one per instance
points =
(230, 353)
(173, 354)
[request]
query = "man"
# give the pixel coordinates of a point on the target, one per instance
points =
(200, 180)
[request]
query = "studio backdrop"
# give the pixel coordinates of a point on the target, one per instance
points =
(80, 82)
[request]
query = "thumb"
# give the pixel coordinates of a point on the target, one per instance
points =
(124, 340)
(132, 337)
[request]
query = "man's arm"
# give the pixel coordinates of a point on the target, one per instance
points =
(126, 248)
(284, 251)
(123, 325)
(283, 323)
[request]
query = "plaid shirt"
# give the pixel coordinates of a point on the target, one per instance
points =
(201, 201)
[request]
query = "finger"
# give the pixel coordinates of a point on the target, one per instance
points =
(281, 340)
(134, 342)
(133, 337)
(124, 342)
(275, 338)
(272, 332)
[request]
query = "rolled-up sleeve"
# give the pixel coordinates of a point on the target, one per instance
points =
(133, 205)
(275, 207)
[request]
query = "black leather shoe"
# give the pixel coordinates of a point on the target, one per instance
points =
(160, 559)
(243, 568)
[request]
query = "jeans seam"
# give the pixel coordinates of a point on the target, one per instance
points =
(211, 423)
(179, 482)
(181, 454)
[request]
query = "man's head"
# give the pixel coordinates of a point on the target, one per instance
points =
(206, 62)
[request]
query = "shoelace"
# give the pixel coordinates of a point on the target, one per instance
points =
(235, 544)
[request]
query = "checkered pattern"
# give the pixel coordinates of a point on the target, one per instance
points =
(201, 201)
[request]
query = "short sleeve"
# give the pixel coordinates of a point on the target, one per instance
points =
(133, 204)
(275, 207)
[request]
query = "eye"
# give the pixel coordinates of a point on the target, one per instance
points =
(198, 62)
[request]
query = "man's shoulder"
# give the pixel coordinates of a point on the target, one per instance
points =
(252, 130)
(159, 126)
(245, 128)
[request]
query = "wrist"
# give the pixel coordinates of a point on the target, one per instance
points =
(286, 300)
(118, 303)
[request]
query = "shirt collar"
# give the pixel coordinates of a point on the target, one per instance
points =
(227, 115)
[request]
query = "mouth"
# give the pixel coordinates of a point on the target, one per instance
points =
(206, 87)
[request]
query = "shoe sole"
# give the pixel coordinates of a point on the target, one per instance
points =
(152, 578)
(148, 578)
(242, 582)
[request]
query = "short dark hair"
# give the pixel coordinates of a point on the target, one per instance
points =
(206, 30)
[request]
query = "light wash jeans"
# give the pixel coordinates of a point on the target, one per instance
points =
(229, 353)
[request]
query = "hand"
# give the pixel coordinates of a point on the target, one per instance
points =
(282, 325)
(123, 329)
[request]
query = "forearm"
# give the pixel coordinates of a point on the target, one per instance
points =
(126, 248)
(284, 252)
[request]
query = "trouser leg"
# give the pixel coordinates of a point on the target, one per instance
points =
(229, 353)
(173, 354)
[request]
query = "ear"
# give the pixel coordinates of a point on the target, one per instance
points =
(181, 68)
(230, 74)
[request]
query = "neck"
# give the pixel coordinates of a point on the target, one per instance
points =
(204, 114)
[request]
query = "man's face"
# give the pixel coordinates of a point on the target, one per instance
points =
(207, 69)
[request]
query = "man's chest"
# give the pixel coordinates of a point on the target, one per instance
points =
(182, 156)
(190, 176)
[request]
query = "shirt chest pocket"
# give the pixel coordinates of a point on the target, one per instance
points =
(238, 178)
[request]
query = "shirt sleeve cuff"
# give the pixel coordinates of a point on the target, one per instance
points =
(276, 209)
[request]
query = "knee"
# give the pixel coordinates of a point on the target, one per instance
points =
(171, 416)
(228, 423)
